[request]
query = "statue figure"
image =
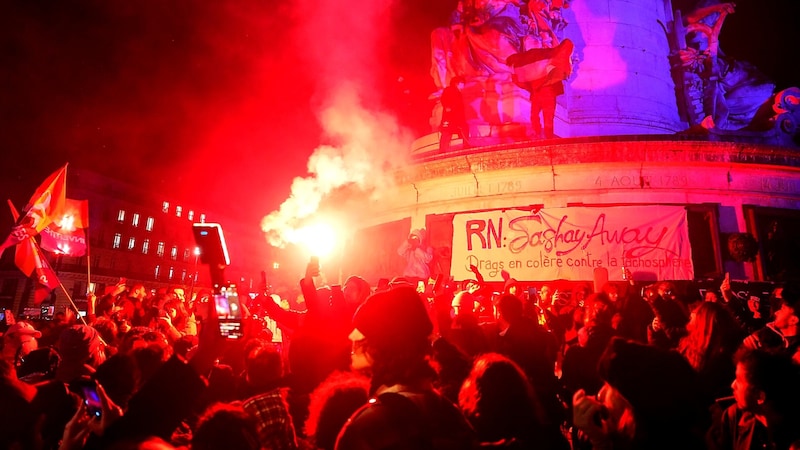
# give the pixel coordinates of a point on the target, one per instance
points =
(482, 35)
(542, 71)
(731, 92)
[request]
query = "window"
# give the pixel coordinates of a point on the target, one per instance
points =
(165, 207)
(178, 211)
(190, 215)
(131, 243)
(157, 271)
(171, 272)
(173, 253)
(117, 240)
(146, 246)
(202, 218)
(135, 219)
(183, 276)
(121, 216)
(149, 226)
(160, 250)
(186, 255)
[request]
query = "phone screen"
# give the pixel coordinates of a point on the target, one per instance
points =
(92, 400)
(230, 313)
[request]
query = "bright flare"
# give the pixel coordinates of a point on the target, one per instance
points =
(318, 238)
(67, 222)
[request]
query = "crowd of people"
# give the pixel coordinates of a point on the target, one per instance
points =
(410, 365)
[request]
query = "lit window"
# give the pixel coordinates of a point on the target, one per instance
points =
(121, 216)
(183, 276)
(146, 246)
(131, 243)
(160, 250)
(158, 271)
(190, 215)
(171, 272)
(117, 240)
(202, 218)
(135, 219)
(165, 207)
(186, 255)
(173, 253)
(178, 211)
(150, 222)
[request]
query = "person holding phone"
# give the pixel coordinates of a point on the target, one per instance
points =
(159, 406)
(417, 255)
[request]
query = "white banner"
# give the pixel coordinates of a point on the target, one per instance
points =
(570, 243)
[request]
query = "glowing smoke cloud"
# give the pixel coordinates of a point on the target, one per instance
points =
(342, 40)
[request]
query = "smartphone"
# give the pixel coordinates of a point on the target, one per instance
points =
(229, 311)
(91, 399)
(533, 293)
(211, 242)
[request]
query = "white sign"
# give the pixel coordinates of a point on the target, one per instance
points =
(570, 243)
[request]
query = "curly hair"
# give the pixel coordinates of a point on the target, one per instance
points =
(498, 400)
(332, 404)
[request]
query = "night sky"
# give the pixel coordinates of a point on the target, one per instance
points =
(219, 102)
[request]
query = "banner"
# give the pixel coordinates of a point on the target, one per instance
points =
(70, 243)
(570, 243)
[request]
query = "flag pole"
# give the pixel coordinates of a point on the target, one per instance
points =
(88, 262)
(60, 284)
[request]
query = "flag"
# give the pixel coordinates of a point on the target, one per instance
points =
(31, 261)
(65, 235)
(46, 204)
(45, 278)
(70, 243)
(535, 65)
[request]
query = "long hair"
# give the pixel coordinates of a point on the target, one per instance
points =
(498, 400)
(714, 332)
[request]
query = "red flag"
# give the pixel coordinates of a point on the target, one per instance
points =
(75, 216)
(31, 261)
(29, 258)
(46, 204)
(70, 243)
(65, 235)
(46, 281)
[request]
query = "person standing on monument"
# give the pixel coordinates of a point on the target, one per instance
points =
(453, 118)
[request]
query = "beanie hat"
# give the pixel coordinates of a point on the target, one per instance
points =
(659, 384)
(392, 318)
